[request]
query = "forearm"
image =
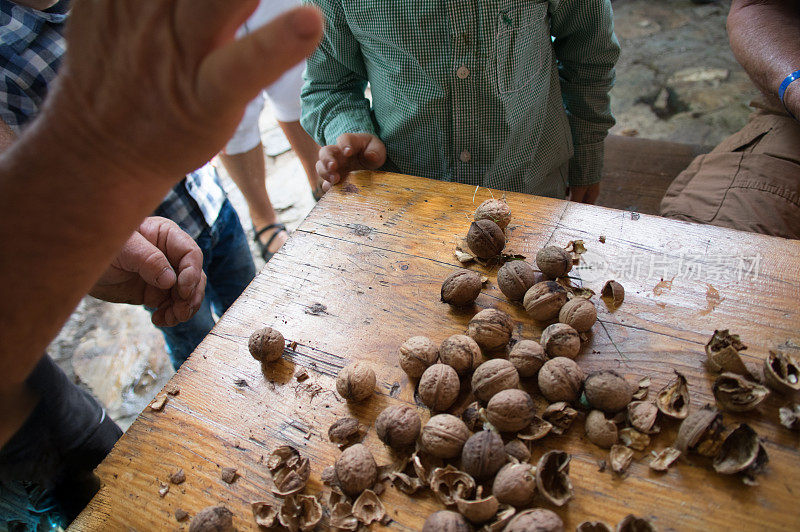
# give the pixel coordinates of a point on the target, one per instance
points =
(7, 136)
(765, 38)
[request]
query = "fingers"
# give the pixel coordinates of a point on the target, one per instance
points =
(352, 151)
(140, 256)
(237, 71)
(180, 249)
(332, 164)
(374, 153)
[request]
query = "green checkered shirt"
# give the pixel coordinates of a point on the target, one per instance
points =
(498, 93)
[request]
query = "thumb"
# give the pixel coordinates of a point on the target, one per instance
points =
(140, 256)
(237, 71)
(374, 153)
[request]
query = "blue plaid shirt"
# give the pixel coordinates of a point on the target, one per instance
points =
(31, 47)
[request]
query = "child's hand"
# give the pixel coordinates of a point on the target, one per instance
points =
(352, 151)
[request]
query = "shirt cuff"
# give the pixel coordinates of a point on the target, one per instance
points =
(348, 122)
(586, 165)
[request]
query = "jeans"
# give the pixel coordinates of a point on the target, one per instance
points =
(229, 268)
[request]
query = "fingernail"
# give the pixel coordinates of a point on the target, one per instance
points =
(329, 166)
(348, 150)
(304, 24)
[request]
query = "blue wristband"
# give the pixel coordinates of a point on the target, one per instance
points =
(794, 76)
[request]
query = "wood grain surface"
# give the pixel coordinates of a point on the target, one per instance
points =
(363, 274)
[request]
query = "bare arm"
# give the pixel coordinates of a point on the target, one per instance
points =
(765, 38)
(7, 136)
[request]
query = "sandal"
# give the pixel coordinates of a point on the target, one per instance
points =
(263, 248)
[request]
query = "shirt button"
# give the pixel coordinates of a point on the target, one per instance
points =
(462, 72)
(465, 156)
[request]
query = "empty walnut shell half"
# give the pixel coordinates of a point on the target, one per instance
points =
(265, 514)
(491, 329)
(722, 353)
(735, 393)
(483, 455)
(642, 416)
(552, 477)
(291, 480)
(782, 372)
(528, 357)
(342, 517)
(544, 300)
(560, 415)
(461, 288)
(701, 431)
(492, 377)
(480, 509)
(738, 451)
(446, 521)
(578, 313)
(537, 519)
(448, 482)
(790, 416)
(613, 294)
(485, 239)
(538, 429)
(673, 399)
(494, 210)
(510, 410)
(554, 261)
(631, 523)
(515, 277)
(300, 512)
(283, 456)
(368, 508)
(515, 484)
(561, 340)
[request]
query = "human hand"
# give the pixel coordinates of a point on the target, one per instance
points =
(587, 194)
(159, 266)
(156, 88)
(352, 151)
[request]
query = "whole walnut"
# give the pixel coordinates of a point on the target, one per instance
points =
(579, 313)
(266, 345)
(528, 357)
(491, 329)
(212, 519)
(461, 353)
(561, 340)
(439, 386)
(356, 470)
(554, 261)
(608, 391)
(560, 379)
(515, 278)
(416, 355)
(600, 431)
(446, 521)
(535, 520)
(356, 382)
(515, 484)
(483, 454)
(494, 210)
(510, 410)
(444, 435)
(461, 288)
(494, 376)
(544, 300)
(398, 426)
(485, 239)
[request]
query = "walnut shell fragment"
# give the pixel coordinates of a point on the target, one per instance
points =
(461, 288)
(739, 450)
(177, 477)
(536, 519)
(212, 519)
(544, 300)
(344, 431)
(478, 510)
(416, 355)
(552, 477)
(483, 455)
(538, 429)
(356, 470)
(266, 345)
(406, 483)
(631, 523)
(446, 521)
(368, 508)
(782, 372)
(356, 382)
(518, 450)
(644, 389)
(424, 464)
(561, 340)
(473, 416)
(515, 277)
(578, 313)
(613, 294)
(722, 353)
(265, 514)
(491, 329)
(701, 432)
(398, 426)
(600, 430)
(494, 210)
(448, 483)
(554, 261)
(290, 471)
(528, 357)
(494, 376)
(342, 517)
(228, 474)
(510, 410)
(661, 461)
(300, 512)
(790, 416)
(515, 484)
(735, 393)
(642, 416)
(439, 387)
(673, 399)
(620, 458)
(593, 526)
(560, 415)
(485, 239)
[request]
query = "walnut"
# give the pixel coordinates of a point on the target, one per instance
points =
(735, 393)
(266, 345)
(579, 313)
(701, 431)
(739, 450)
(528, 357)
(212, 519)
(537, 519)
(673, 399)
(483, 455)
(608, 391)
(518, 450)
(560, 379)
(494, 376)
(491, 329)
(461, 288)
(544, 300)
(510, 410)
(461, 353)
(642, 416)
(438, 387)
(782, 372)
(344, 431)
(485, 239)
(554, 261)
(552, 477)
(561, 340)
(515, 278)
(444, 435)
(416, 355)
(515, 484)
(356, 470)
(600, 431)
(446, 521)
(356, 382)
(398, 426)
(494, 210)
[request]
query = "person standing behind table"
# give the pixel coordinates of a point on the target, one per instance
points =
(243, 156)
(500, 93)
(32, 51)
(751, 181)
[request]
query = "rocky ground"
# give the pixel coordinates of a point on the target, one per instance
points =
(676, 80)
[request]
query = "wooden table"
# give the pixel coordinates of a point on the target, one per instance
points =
(363, 274)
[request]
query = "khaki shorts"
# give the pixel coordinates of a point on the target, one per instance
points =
(750, 182)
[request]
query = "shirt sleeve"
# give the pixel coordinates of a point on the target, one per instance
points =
(333, 100)
(586, 50)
